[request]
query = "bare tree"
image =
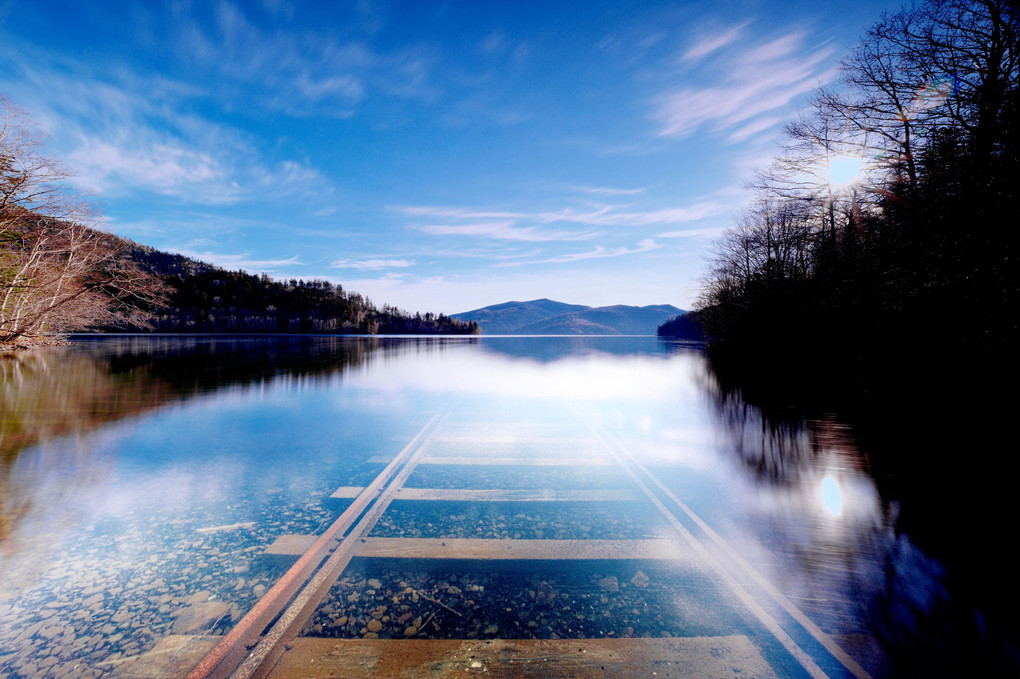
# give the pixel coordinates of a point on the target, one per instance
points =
(929, 101)
(770, 244)
(943, 64)
(803, 171)
(57, 273)
(976, 43)
(883, 103)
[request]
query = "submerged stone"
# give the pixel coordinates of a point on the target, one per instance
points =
(199, 616)
(609, 584)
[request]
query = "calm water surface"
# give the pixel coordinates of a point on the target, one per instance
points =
(142, 479)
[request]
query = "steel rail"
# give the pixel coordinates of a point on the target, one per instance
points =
(348, 537)
(632, 466)
(273, 643)
(234, 647)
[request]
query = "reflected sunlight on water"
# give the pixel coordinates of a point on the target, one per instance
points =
(831, 496)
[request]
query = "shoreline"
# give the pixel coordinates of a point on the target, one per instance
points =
(28, 343)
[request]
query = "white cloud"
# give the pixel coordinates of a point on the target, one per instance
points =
(173, 170)
(122, 132)
(753, 83)
(460, 213)
(607, 190)
(291, 177)
(673, 215)
(756, 126)
(301, 74)
(240, 261)
(712, 43)
(599, 252)
(505, 224)
(371, 264)
(707, 232)
(503, 230)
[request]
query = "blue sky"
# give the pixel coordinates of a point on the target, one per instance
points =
(438, 156)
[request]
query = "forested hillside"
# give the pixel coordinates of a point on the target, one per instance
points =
(685, 326)
(58, 274)
(888, 297)
(203, 298)
(915, 249)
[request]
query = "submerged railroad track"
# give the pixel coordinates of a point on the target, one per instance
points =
(770, 637)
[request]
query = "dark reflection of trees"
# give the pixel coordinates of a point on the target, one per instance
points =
(59, 391)
(935, 582)
(774, 437)
(200, 364)
(45, 394)
(71, 391)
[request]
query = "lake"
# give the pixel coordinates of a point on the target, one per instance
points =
(523, 506)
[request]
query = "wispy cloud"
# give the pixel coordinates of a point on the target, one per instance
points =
(607, 190)
(290, 177)
(162, 168)
(752, 81)
(502, 230)
(755, 127)
(712, 43)
(599, 252)
(706, 232)
(673, 215)
(302, 73)
(505, 224)
(241, 261)
(371, 264)
(121, 132)
(457, 212)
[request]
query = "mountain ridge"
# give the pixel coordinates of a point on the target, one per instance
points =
(549, 317)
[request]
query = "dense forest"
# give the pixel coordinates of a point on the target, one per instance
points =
(914, 251)
(58, 274)
(203, 298)
(885, 299)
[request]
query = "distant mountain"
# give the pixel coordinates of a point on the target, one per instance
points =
(506, 318)
(548, 317)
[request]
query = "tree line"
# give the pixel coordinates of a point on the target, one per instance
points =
(919, 244)
(214, 300)
(886, 301)
(59, 274)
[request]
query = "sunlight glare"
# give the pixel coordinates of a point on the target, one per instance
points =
(844, 170)
(831, 496)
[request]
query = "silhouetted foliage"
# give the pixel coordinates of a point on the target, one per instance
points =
(892, 301)
(921, 248)
(685, 326)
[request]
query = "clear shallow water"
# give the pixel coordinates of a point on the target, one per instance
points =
(143, 478)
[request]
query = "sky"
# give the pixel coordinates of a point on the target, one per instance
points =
(435, 156)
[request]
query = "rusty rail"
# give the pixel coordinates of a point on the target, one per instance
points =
(235, 646)
(251, 651)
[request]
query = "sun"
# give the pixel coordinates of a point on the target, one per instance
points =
(844, 170)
